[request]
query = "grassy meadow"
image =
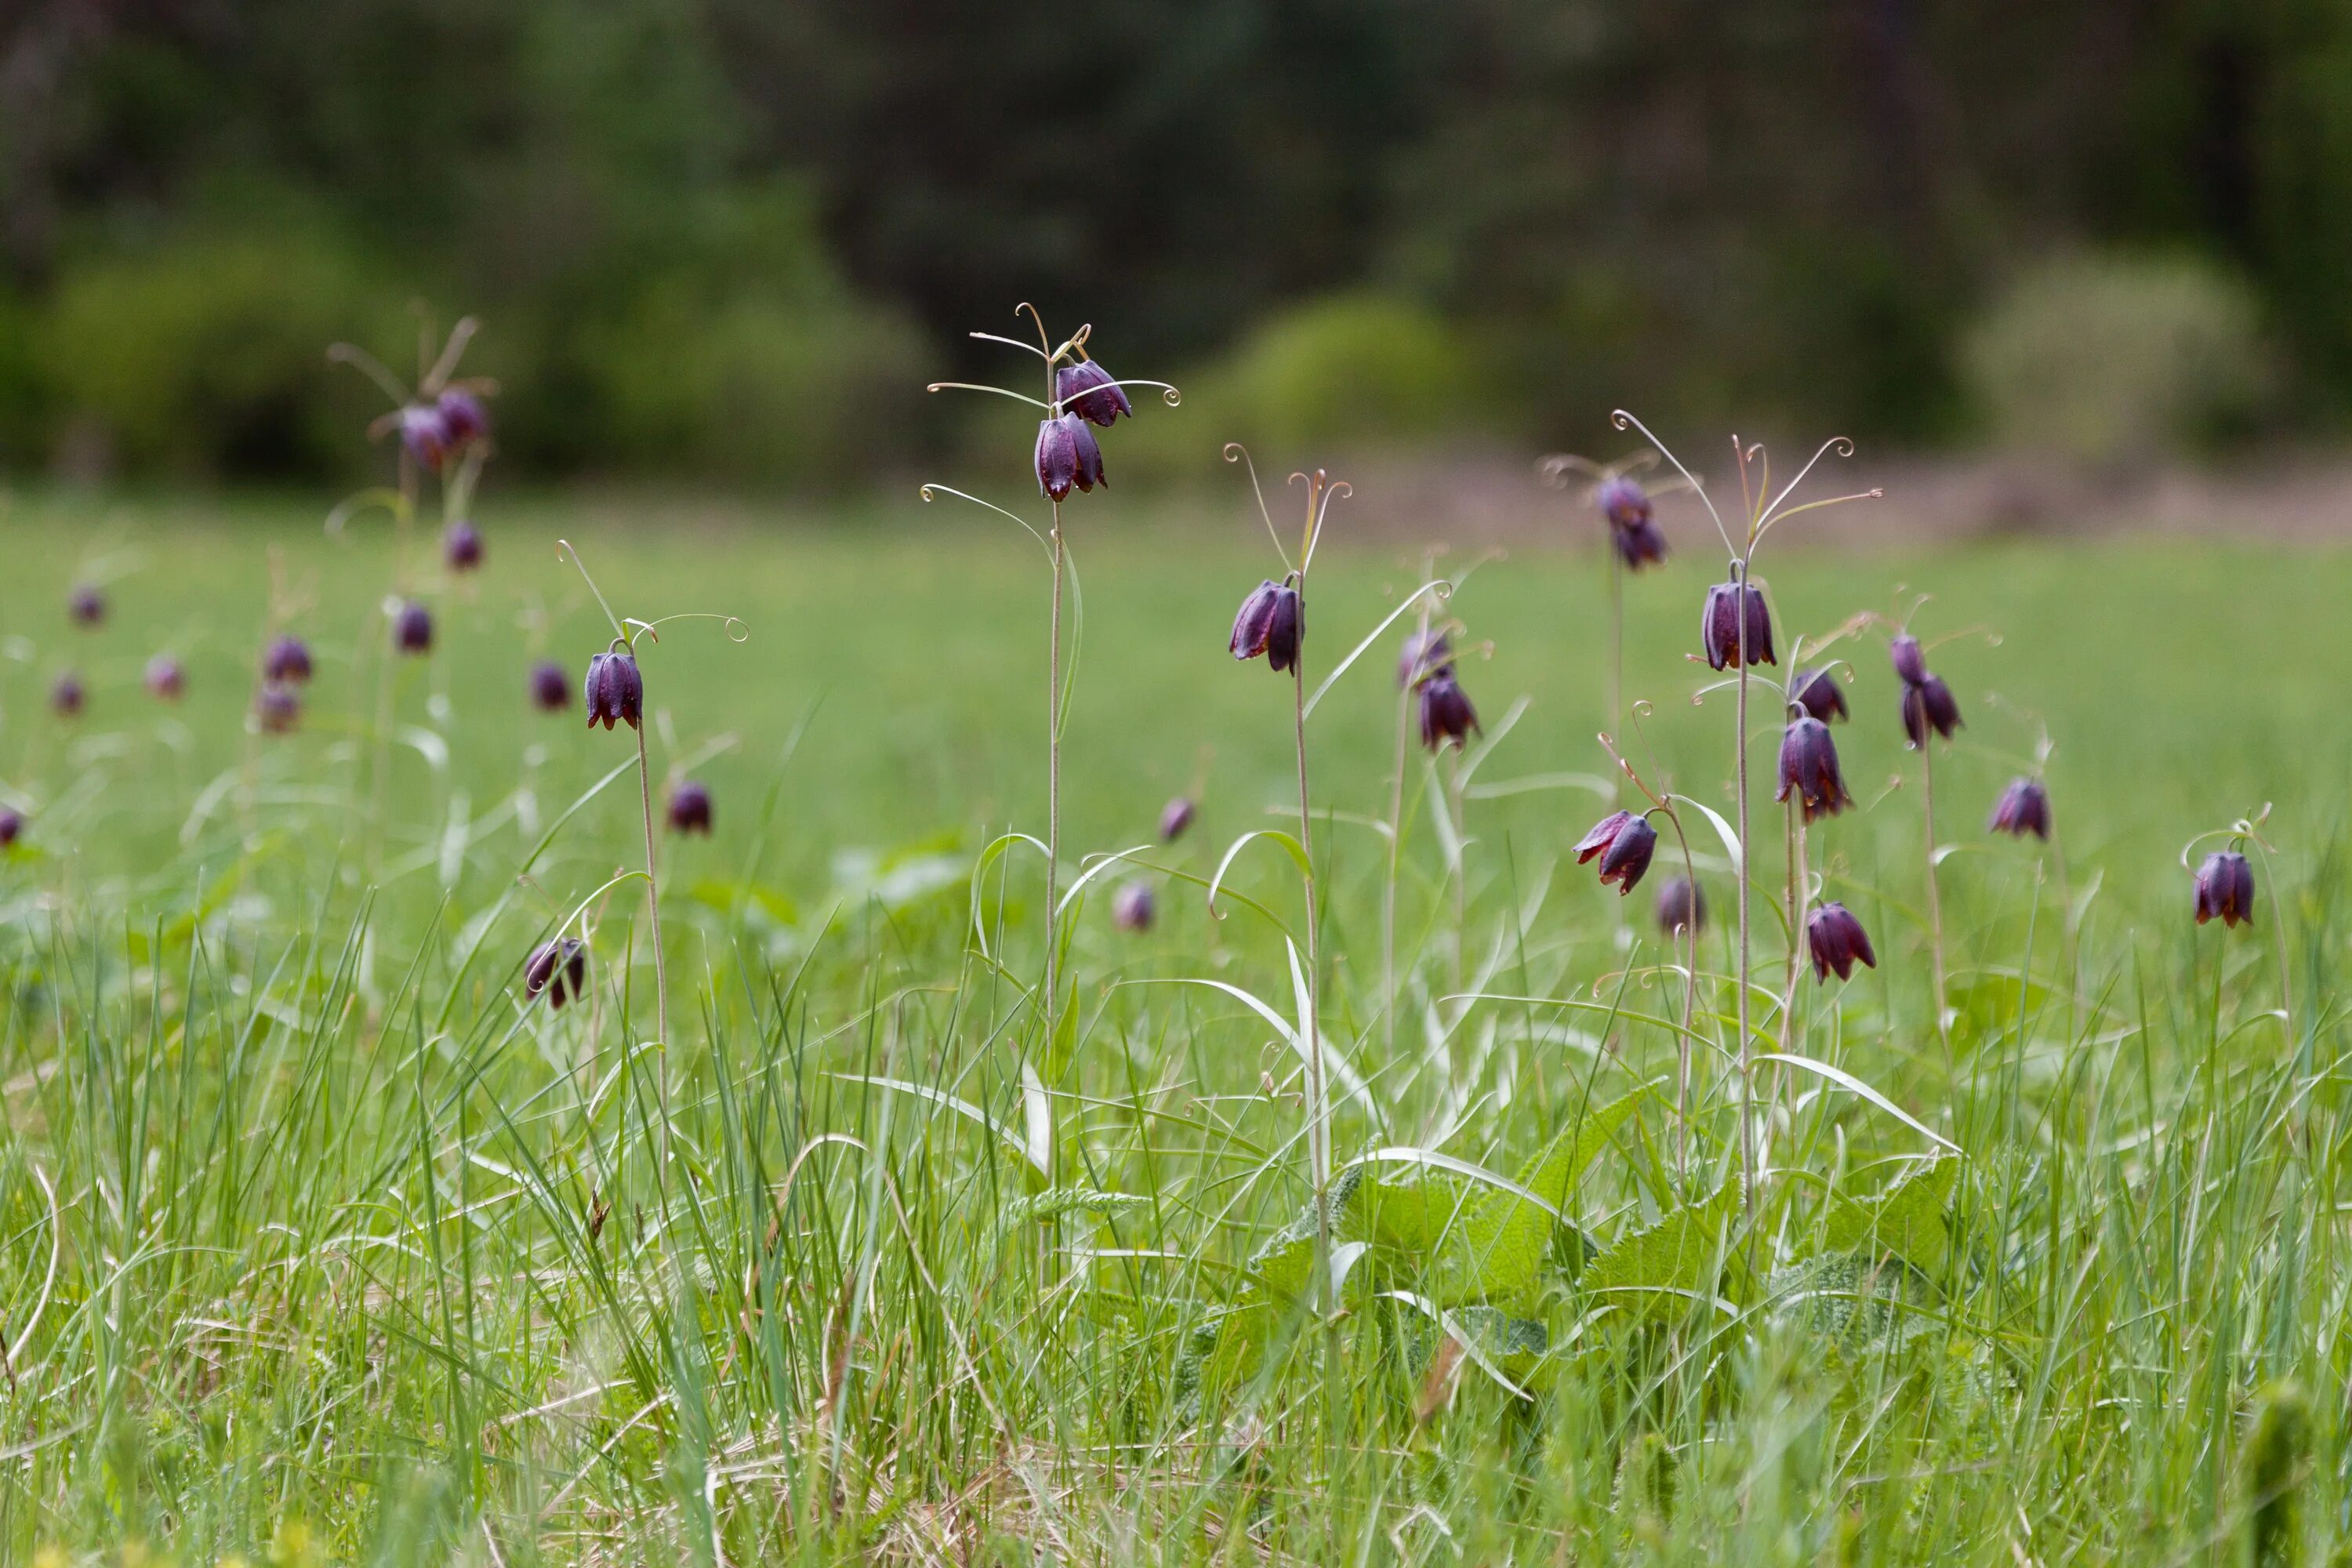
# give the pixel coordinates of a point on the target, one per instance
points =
(320, 1243)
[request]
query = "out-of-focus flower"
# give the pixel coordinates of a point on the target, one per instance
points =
(1928, 705)
(1624, 843)
(2023, 807)
(1425, 655)
(12, 826)
(287, 659)
(1174, 818)
(86, 606)
(1271, 622)
(461, 546)
(1837, 942)
(412, 628)
(1910, 663)
(277, 708)
(551, 688)
(1087, 390)
(166, 677)
(1446, 714)
(1633, 531)
(560, 969)
(1133, 908)
(425, 436)
(2225, 889)
(464, 419)
(1819, 694)
(1681, 906)
(690, 808)
(1720, 628)
(615, 691)
(1067, 454)
(67, 696)
(1809, 766)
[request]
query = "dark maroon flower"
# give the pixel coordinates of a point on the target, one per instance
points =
(2225, 888)
(425, 435)
(1819, 694)
(560, 969)
(412, 628)
(1446, 714)
(1910, 664)
(1090, 392)
(1808, 765)
(67, 696)
(287, 659)
(615, 691)
(1632, 531)
(1926, 706)
(690, 808)
(1719, 627)
(277, 708)
(1132, 908)
(1174, 818)
(461, 546)
(12, 826)
(1639, 547)
(1067, 455)
(551, 688)
(86, 606)
(166, 678)
(1624, 843)
(1837, 941)
(1271, 622)
(1425, 655)
(463, 418)
(2023, 808)
(1681, 906)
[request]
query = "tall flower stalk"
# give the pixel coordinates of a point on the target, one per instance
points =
(1928, 710)
(1737, 631)
(1634, 540)
(1078, 394)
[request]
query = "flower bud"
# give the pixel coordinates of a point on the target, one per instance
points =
(66, 698)
(551, 688)
(560, 969)
(1088, 391)
(1681, 907)
(287, 659)
(1719, 627)
(613, 690)
(1174, 818)
(1624, 843)
(425, 436)
(12, 826)
(1067, 455)
(1910, 664)
(2225, 888)
(1446, 714)
(1837, 941)
(1818, 693)
(690, 808)
(463, 418)
(1425, 655)
(2023, 808)
(277, 708)
(461, 546)
(412, 628)
(1930, 706)
(1271, 622)
(86, 606)
(166, 677)
(1133, 908)
(1808, 765)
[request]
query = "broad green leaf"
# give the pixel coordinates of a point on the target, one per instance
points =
(1498, 1249)
(1655, 1273)
(1905, 1221)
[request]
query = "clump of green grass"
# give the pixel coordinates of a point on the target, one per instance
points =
(320, 1243)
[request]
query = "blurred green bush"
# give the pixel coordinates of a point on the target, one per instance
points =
(2113, 360)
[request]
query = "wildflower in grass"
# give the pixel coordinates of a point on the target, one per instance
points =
(1624, 843)
(278, 707)
(1446, 715)
(1809, 767)
(461, 546)
(1928, 706)
(166, 677)
(86, 606)
(1818, 693)
(1133, 908)
(690, 808)
(1271, 622)
(615, 691)
(464, 419)
(2225, 889)
(1067, 455)
(1910, 662)
(412, 628)
(1426, 655)
(287, 659)
(1633, 531)
(1090, 392)
(560, 969)
(12, 826)
(1174, 818)
(1682, 906)
(424, 436)
(551, 688)
(1837, 942)
(1720, 628)
(67, 696)
(2023, 807)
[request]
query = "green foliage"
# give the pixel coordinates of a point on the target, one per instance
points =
(1909, 1220)
(2273, 1466)
(1670, 1268)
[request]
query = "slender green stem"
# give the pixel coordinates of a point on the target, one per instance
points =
(661, 966)
(1935, 903)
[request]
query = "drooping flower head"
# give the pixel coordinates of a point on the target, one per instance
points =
(1681, 906)
(1446, 714)
(1174, 818)
(690, 808)
(1809, 767)
(67, 696)
(12, 826)
(86, 606)
(464, 419)
(277, 708)
(1133, 908)
(1425, 655)
(287, 659)
(2225, 889)
(425, 436)
(1837, 942)
(1910, 662)
(167, 678)
(1632, 529)
(2023, 807)
(1720, 626)
(560, 969)
(1067, 454)
(1090, 392)
(461, 546)
(412, 628)
(551, 688)
(1926, 706)
(1624, 843)
(615, 691)
(1271, 622)
(1818, 693)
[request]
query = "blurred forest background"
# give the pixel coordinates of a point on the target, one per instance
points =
(730, 240)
